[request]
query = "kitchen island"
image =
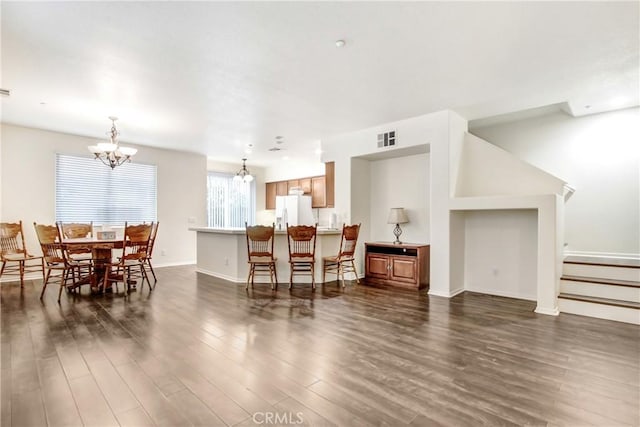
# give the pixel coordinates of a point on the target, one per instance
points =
(223, 253)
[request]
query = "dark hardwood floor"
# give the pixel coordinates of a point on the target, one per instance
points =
(200, 351)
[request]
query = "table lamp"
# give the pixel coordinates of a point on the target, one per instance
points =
(397, 216)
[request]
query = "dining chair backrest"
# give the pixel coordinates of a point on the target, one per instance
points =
(136, 241)
(348, 241)
(75, 230)
(51, 243)
(302, 241)
(152, 238)
(11, 239)
(260, 240)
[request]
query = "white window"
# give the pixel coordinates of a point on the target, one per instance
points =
(87, 190)
(229, 203)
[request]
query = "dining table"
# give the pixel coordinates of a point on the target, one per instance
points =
(101, 255)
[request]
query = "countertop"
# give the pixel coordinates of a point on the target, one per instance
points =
(241, 231)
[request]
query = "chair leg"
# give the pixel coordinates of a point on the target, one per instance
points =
(153, 273)
(44, 285)
(313, 277)
(290, 276)
(341, 273)
(105, 279)
(2, 269)
(21, 263)
(61, 285)
(125, 279)
(355, 273)
(324, 269)
(42, 264)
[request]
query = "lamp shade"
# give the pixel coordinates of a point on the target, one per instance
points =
(397, 216)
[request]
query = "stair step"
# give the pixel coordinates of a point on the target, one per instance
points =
(614, 282)
(608, 262)
(619, 311)
(608, 289)
(617, 273)
(600, 300)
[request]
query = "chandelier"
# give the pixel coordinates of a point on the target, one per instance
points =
(110, 153)
(243, 174)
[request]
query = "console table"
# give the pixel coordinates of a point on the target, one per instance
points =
(405, 264)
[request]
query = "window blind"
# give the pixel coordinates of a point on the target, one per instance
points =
(229, 203)
(87, 190)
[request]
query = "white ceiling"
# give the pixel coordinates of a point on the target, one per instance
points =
(213, 77)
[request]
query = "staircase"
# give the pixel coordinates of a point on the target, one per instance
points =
(605, 288)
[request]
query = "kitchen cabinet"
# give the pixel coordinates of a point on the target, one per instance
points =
(292, 183)
(405, 265)
(270, 195)
(318, 192)
(305, 185)
(320, 188)
(282, 189)
(330, 183)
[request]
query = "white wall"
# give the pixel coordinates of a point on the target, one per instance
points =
(293, 169)
(28, 187)
(487, 170)
(600, 156)
(400, 182)
(500, 252)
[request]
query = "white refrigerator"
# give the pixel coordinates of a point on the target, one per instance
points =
(294, 210)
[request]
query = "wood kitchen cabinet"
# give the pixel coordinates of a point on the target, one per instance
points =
(405, 265)
(330, 183)
(305, 185)
(292, 183)
(320, 188)
(270, 195)
(282, 189)
(318, 192)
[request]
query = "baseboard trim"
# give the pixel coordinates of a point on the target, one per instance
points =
(450, 294)
(174, 264)
(219, 276)
(502, 294)
(547, 311)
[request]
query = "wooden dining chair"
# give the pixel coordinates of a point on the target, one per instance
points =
(16, 260)
(74, 230)
(152, 242)
(55, 259)
(260, 239)
(343, 262)
(302, 251)
(131, 265)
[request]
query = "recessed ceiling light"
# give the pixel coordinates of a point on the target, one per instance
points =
(279, 137)
(587, 106)
(340, 43)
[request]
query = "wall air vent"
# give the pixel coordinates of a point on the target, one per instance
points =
(5, 92)
(387, 139)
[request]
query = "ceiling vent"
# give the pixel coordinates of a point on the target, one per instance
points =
(5, 92)
(275, 149)
(387, 139)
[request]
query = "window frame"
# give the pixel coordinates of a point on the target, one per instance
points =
(108, 202)
(229, 223)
